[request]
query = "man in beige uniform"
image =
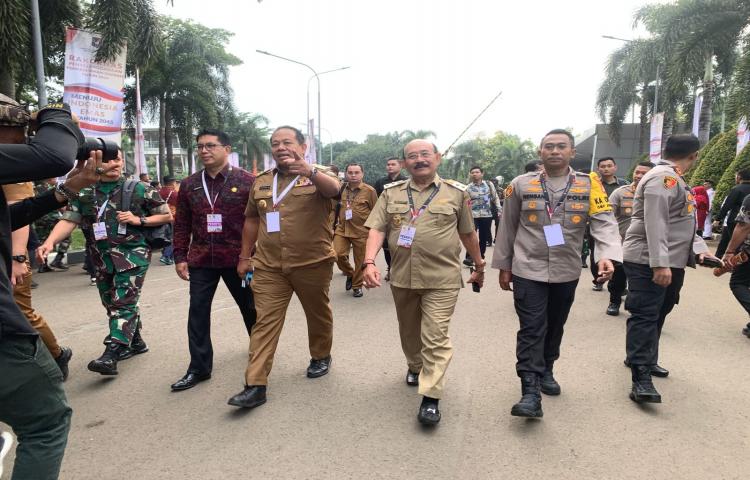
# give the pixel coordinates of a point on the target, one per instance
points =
(21, 278)
(538, 250)
(287, 225)
(425, 219)
(357, 201)
(621, 201)
(659, 243)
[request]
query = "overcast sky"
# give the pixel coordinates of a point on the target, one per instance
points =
(419, 64)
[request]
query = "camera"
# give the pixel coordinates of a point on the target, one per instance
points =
(108, 148)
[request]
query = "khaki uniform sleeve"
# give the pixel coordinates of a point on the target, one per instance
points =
(378, 219)
(607, 238)
(614, 199)
(465, 218)
(656, 197)
(502, 257)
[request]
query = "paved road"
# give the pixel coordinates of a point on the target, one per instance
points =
(359, 421)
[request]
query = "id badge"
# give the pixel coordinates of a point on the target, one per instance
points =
(406, 236)
(213, 222)
(122, 229)
(554, 235)
(273, 222)
(100, 231)
(348, 214)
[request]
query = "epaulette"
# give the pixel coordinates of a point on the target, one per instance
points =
(393, 184)
(456, 184)
(270, 170)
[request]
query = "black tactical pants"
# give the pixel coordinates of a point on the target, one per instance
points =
(739, 283)
(617, 285)
(648, 304)
(542, 310)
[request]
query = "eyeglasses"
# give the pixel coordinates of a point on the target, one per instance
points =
(551, 146)
(208, 146)
(422, 154)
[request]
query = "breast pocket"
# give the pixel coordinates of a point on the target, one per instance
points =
(397, 214)
(442, 215)
(532, 213)
(263, 201)
(576, 214)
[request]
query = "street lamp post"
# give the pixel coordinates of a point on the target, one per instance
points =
(315, 75)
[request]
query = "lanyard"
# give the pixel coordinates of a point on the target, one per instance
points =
(205, 188)
(278, 198)
(100, 210)
(350, 197)
(414, 212)
(547, 203)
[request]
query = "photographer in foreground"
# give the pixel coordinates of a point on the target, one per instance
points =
(32, 400)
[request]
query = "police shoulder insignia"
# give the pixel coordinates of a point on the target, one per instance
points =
(265, 172)
(456, 184)
(670, 182)
(393, 184)
(508, 191)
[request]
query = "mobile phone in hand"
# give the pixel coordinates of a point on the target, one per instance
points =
(474, 286)
(712, 262)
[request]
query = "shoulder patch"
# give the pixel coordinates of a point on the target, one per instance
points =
(508, 191)
(456, 184)
(270, 170)
(670, 182)
(393, 184)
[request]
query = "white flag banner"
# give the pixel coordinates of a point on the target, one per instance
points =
(311, 156)
(192, 163)
(139, 147)
(94, 90)
(697, 114)
(268, 162)
(743, 135)
(234, 159)
(657, 124)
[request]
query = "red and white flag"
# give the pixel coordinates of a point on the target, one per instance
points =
(139, 147)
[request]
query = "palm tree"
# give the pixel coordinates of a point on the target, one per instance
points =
(703, 35)
(250, 133)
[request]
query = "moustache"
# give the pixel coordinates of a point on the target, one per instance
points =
(421, 164)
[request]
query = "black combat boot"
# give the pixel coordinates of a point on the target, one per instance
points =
(548, 383)
(530, 404)
(643, 388)
(107, 363)
(137, 346)
(57, 262)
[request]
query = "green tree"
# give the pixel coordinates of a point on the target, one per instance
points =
(716, 161)
(740, 162)
(695, 180)
(250, 134)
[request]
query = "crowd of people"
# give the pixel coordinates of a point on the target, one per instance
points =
(280, 233)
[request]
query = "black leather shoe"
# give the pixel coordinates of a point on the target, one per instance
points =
(189, 381)
(746, 330)
(656, 370)
(63, 360)
(429, 413)
(613, 309)
(251, 397)
(358, 293)
(348, 283)
(530, 405)
(412, 379)
(137, 346)
(107, 363)
(468, 262)
(318, 368)
(598, 287)
(643, 390)
(548, 384)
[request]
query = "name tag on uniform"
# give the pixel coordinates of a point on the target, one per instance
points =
(122, 229)
(273, 222)
(213, 222)
(554, 235)
(406, 236)
(100, 231)
(348, 214)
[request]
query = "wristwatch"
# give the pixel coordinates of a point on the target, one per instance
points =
(19, 258)
(143, 221)
(314, 172)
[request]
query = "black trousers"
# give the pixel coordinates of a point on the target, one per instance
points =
(739, 283)
(387, 253)
(592, 264)
(648, 304)
(726, 236)
(542, 310)
(484, 228)
(203, 283)
(617, 285)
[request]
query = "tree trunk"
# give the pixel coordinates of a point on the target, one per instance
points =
(704, 123)
(162, 125)
(189, 140)
(7, 81)
(169, 139)
(669, 122)
(643, 138)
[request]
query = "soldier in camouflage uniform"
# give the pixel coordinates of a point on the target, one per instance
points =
(44, 226)
(117, 247)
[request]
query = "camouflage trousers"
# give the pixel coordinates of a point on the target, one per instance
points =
(120, 292)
